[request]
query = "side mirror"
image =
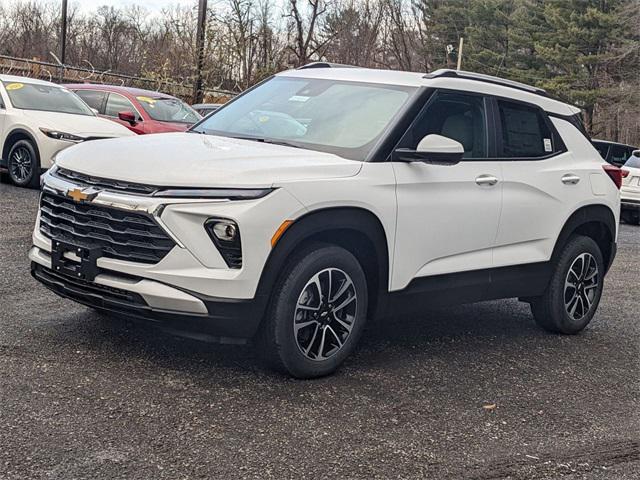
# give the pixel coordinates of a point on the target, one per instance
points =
(432, 149)
(127, 117)
(636, 153)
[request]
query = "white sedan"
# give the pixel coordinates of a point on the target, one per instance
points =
(630, 191)
(37, 120)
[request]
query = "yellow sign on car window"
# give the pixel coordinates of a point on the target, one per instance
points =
(149, 100)
(14, 86)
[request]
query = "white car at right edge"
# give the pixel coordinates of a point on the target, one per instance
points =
(328, 196)
(630, 191)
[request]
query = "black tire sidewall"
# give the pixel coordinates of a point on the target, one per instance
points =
(562, 322)
(33, 179)
(294, 280)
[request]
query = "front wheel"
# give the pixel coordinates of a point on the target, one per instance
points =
(573, 294)
(23, 164)
(317, 313)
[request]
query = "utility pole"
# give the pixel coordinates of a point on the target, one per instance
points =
(63, 33)
(460, 53)
(63, 39)
(198, 92)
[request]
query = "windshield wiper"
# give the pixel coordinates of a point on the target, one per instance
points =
(266, 140)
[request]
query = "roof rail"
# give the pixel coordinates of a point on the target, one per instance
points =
(324, 65)
(444, 72)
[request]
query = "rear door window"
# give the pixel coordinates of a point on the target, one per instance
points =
(618, 154)
(93, 98)
(525, 132)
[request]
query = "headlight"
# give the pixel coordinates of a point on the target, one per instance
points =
(69, 137)
(230, 193)
(226, 238)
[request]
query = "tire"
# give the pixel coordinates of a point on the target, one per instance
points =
(23, 164)
(568, 308)
(331, 328)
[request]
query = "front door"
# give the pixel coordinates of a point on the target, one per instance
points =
(447, 215)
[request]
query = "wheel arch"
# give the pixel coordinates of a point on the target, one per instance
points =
(15, 135)
(595, 221)
(356, 229)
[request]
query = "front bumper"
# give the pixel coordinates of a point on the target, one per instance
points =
(203, 318)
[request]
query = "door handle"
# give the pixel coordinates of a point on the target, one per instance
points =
(486, 180)
(570, 179)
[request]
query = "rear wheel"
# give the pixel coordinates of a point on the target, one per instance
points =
(317, 314)
(574, 292)
(23, 164)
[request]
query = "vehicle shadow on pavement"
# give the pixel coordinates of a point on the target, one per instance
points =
(448, 331)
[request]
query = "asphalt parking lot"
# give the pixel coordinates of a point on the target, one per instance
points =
(476, 392)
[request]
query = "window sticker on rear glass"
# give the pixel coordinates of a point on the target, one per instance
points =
(298, 98)
(14, 86)
(547, 145)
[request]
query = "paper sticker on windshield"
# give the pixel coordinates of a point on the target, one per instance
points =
(547, 145)
(14, 86)
(148, 100)
(298, 98)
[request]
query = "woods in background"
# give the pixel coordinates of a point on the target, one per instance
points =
(586, 52)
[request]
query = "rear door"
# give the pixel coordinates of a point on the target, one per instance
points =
(543, 183)
(447, 215)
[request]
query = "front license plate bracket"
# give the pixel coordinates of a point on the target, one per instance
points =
(85, 269)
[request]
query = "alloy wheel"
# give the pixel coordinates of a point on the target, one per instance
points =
(20, 164)
(325, 314)
(581, 286)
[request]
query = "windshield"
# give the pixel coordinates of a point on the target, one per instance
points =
(48, 98)
(169, 110)
(345, 118)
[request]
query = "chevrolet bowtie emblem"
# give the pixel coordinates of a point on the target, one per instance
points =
(79, 195)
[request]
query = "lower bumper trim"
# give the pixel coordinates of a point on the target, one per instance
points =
(227, 320)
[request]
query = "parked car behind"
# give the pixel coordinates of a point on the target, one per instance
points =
(141, 111)
(37, 120)
(630, 191)
(614, 153)
(205, 109)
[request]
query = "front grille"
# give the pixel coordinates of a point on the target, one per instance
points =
(84, 180)
(121, 234)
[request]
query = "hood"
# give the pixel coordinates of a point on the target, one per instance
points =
(196, 160)
(83, 125)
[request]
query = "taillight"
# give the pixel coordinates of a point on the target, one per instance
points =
(625, 173)
(615, 174)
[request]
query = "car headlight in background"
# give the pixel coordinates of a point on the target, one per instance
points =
(226, 237)
(58, 135)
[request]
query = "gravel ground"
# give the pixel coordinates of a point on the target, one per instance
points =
(86, 396)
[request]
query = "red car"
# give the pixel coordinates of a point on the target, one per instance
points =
(141, 111)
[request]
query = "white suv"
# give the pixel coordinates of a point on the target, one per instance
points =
(328, 196)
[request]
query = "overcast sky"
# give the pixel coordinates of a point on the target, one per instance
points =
(151, 5)
(154, 5)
